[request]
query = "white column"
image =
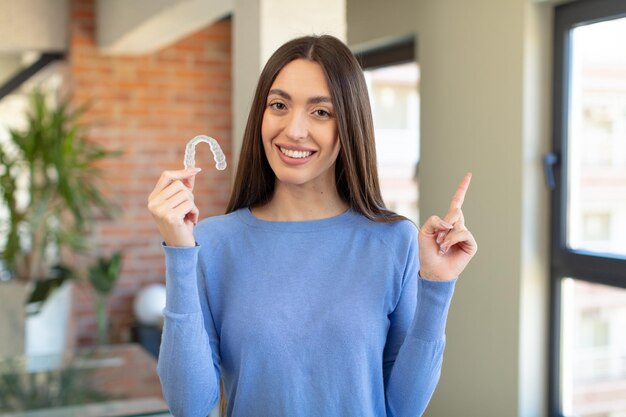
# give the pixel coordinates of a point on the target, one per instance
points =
(260, 27)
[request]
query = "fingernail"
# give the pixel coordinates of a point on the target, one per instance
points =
(194, 169)
(446, 225)
(441, 252)
(439, 238)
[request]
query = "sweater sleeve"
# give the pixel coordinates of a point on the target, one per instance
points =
(189, 361)
(416, 341)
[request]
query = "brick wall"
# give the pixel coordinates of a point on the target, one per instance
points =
(148, 107)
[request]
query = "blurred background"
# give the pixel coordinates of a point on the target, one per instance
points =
(97, 97)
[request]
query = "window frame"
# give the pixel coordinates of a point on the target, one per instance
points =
(606, 269)
(397, 52)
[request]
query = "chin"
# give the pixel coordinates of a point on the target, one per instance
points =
(290, 179)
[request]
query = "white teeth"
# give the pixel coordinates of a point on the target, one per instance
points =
(295, 154)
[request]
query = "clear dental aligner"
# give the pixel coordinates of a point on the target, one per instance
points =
(190, 152)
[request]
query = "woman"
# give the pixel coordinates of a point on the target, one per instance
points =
(309, 297)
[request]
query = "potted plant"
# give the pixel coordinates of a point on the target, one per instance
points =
(48, 189)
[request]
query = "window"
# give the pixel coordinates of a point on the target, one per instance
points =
(392, 77)
(588, 250)
(20, 74)
(596, 227)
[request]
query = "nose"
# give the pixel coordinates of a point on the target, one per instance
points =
(297, 126)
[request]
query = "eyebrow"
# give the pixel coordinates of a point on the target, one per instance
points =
(311, 100)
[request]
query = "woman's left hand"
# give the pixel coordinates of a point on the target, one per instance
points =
(445, 245)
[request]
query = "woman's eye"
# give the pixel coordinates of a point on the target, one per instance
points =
(278, 106)
(322, 113)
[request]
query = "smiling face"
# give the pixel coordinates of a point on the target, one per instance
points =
(299, 128)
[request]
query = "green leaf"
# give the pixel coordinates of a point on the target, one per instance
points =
(105, 272)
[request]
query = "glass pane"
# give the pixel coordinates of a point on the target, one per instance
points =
(394, 96)
(597, 139)
(593, 350)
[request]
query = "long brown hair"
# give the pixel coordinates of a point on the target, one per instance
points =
(355, 170)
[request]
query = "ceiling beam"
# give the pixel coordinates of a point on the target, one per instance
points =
(143, 26)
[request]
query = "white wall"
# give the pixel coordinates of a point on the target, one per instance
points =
(39, 25)
(485, 108)
(471, 59)
(10, 64)
(375, 22)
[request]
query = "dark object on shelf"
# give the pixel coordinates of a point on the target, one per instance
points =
(149, 337)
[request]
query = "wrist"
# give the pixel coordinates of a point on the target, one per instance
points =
(177, 239)
(434, 276)
(180, 243)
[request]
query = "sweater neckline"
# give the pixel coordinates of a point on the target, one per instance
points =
(296, 226)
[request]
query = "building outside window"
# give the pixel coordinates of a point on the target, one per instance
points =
(394, 96)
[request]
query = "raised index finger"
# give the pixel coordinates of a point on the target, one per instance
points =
(459, 195)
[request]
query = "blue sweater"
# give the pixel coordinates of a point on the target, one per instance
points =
(310, 318)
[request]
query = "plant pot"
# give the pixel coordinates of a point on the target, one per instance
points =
(47, 331)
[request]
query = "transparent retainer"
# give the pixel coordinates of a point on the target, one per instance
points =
(190, 152)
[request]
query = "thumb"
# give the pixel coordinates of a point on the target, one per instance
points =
(190, 180)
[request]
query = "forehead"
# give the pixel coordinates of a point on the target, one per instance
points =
(302, 77)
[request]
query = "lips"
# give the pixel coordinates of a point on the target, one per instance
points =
(294, 156)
